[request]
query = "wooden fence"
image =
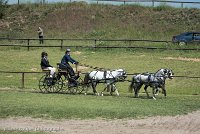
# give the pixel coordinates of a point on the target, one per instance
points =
(94, 44)
(23, 75)
(152, 1)
(125, 1)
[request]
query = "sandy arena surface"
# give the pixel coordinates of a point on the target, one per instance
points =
(180, 124)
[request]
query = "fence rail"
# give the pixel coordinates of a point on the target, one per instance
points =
(94, 43)
(23, 75)
(124, 1)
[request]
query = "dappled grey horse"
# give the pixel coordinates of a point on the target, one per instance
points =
(154, 80)
(108, 77)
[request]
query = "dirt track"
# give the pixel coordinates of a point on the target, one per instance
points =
(183, 124)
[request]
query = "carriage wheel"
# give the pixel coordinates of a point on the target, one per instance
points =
(72, 90)
(56, 85)
(43, 86)
(81, 86)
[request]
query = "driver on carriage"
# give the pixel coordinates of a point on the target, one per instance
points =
(66, 66)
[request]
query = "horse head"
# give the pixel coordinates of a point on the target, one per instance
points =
(170, 73)
(120, 74)
(166, 73)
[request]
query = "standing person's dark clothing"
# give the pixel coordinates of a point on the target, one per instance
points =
(41, 35)
(65, 63)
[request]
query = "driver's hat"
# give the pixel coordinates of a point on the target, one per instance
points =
(68, 50)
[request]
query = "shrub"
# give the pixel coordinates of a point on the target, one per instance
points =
(3, 5)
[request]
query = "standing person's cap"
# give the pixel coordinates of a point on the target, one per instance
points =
(68, 50)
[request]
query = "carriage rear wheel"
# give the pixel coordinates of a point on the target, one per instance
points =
(43, 86)
(51, 85)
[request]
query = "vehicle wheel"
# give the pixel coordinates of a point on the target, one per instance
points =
(55, 85)
(58, 85)
(182, 43)
(43, 86)
(81, 86)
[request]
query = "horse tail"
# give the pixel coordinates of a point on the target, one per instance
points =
(131, 85)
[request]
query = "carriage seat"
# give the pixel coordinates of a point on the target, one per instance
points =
(61, 68)
(46, 71)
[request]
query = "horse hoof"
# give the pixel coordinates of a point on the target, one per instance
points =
(85, 93)
(154, 98)
(101, 94)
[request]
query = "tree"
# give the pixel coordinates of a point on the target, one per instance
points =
(3, 5)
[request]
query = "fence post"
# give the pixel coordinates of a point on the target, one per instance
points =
(28, 44)
(18, 2)
(22, 80)
(61, 44)
(152, 3)
(95, 42)
(181, 4)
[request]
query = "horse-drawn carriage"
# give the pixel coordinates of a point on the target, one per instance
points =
(61, 81)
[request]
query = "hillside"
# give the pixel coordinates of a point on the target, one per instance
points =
(81, 20)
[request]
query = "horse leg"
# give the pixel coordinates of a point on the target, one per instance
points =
(114, 89)
(137, 89)
(153, 92)
(86, 88)
(145, 89)
(94, 84)
(164, 91)
(157, 92)
(107, 86)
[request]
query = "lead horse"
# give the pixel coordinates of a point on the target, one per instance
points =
(108, 77)
(154, 80)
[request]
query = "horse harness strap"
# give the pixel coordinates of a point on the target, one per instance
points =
(104, 74)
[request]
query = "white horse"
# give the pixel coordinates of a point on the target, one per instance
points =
(107, 77)
(154, 80)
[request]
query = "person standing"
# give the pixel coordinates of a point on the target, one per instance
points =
(41, 35)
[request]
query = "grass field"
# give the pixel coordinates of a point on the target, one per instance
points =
(59, 106)
(183, 93)
(80, 20)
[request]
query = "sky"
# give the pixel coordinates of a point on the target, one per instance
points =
(116, 3)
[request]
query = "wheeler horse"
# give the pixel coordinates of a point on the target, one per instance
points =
(108, 77)
(154, 80)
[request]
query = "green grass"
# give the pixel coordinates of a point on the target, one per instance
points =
(79, 20)
(59, 106)
(133, 61)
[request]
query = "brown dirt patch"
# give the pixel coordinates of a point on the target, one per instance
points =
(182, 59)
(77, 52)
(180, 124)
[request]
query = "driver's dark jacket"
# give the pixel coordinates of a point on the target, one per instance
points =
(67, 58)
